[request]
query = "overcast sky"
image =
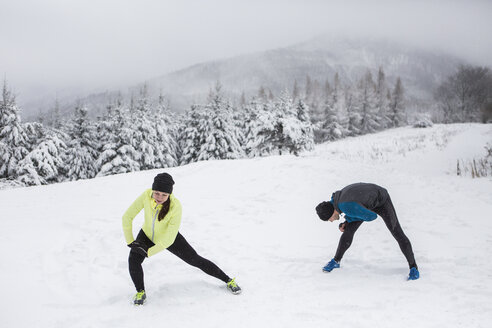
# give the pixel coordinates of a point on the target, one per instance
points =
(55, 44)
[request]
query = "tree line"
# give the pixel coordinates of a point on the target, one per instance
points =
(145, 134)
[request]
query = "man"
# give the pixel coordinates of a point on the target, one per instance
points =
(364, 202)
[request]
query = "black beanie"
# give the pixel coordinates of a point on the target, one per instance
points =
(325, 210)
(163, 182)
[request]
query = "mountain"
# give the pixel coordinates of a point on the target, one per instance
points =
(320, 58)
(66, 264)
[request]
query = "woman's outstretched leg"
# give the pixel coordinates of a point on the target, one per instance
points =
(182, 249)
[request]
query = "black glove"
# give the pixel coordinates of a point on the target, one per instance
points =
(138, 248)
(343, 224)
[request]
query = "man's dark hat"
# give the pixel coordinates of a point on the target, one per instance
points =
(325, 210)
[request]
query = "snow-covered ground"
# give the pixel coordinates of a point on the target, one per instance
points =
(64, 258)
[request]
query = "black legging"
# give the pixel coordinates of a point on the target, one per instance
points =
(181, 249)
(388, 214)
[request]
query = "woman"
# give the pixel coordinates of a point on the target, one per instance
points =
(161, 231)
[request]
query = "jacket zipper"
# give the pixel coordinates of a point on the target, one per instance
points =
(153, 222)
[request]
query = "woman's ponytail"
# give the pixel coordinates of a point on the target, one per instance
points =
(164, 209)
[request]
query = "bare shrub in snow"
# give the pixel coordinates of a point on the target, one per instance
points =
(476, 168)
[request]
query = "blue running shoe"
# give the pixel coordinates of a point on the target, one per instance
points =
(331, 265)
(414, 274)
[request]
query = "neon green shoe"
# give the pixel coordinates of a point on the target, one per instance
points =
(233, 287)
(139, 298)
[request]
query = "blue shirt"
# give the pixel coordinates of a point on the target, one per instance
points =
(355, 212)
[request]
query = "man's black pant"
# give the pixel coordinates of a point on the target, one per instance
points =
(388, 214)
(181, 249)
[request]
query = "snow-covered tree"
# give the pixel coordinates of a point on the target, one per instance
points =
(397, 109)
(305, 139)
(334, 114)
(44, 163)
(328, 128)
(82, 147)
(366, 98)
(152, 133)
(55, 116)
(117, 154)
(262, 131)
(193, 134)
(166, 134)
(14, 142)
(282, 128)
(144, 134)
(35, 132)
(353, 115)
(382, 101)
(251, 120)
(296, 92)
(211, 132)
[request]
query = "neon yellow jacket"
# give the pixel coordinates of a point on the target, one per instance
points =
(162, 233)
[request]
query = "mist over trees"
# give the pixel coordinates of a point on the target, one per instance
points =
(466, 96)
(144, 133)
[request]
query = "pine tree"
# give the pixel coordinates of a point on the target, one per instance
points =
(14, 144)
(55, 119)
(382, 104)
(240, 118)
(397, 109)
(117, 155)
(211, 132)
(353, 112)
(223, 142)
(251, 119)
(166, 135)
(328, 129)
(242, 100)
(44, 163)
(367, 104)
(35, 132)
(340, 108)
(193, 135)
(262, 130)
(334, 113)
(81, 152)
(327, 90)
(308, 89)
(296, 92)
(105, 131)
(305, 138)
(262, 93)
(144, 132)
(294, 132)
(282, 128)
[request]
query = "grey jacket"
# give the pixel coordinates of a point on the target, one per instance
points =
(358, 201)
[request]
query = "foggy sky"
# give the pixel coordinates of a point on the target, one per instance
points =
(48, 46)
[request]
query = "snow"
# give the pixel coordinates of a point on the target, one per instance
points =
(64, 258)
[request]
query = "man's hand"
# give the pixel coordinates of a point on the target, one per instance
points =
(341, 226)
(138, 248)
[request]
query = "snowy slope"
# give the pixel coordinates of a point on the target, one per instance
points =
(64, 259)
